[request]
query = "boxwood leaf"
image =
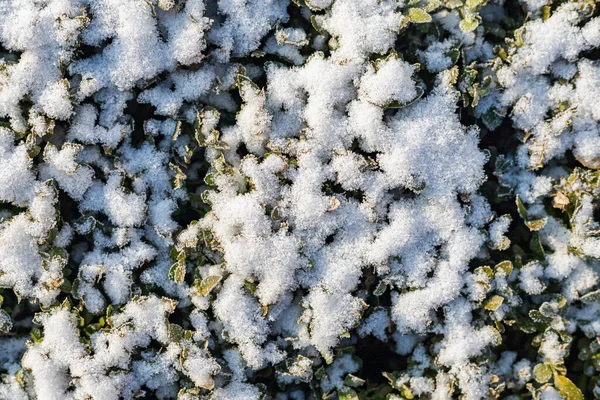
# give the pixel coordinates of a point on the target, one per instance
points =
(177, 272)
(418, 16)
(591, 297)
(353, 381)
(5, 322)
(346, 393)
(521, 208)
(536, 224)
(542, 373)
(567, 388)
(494, 303)
(469, 24)
(208, 284)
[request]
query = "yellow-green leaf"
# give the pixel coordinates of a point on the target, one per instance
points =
(177, 272)
(418, 16)
(505, 266)
(469, 24)
(486, 270)
(250, 285)
(542, 373)
(494, 303)
(406, 392)
(567, 388)
(209, 284)
(472, 4)
(432, 5)
(536, 224)
(546, 12)
(345, 393)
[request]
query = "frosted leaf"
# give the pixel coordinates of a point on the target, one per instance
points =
(17, 181)
(362, 28)
(61, 165)
(387, 82)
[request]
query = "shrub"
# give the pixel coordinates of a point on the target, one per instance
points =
(315, 199)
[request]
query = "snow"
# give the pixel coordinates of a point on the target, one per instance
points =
(221, 192)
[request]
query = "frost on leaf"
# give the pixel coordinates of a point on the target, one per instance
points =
(299, 199)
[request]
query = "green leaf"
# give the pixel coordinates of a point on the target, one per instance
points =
(175, 332)
(380, 289)
(506, 266)
(432, 5)
(179, 177)
(243, 83)
(37, 318)
(486, 270)
(315, 24)
(20, 378)
(473, 4)
(498, 330)
(492, 119)
(275, 214)
(538, 317)
(209, 179)
(494, 303)
(418, 16)
(250, 285)
(404, 23)
(204, 196)
(392, 378)
(177, 130)
(536, 224)
(353, 381)
(469, 24)
(200, 138)
(454, 55)
(209, 284)
(591, 297)
(177, 272)
(596, 361)
(502, 246)
(519, 36)
(536, 246)
(5, 322)
(542, 373)
(346, 393)
(521, 208)
(406, 392)
(547, 310)
(567, 388)
(546, 12)
(320, 372)
(36, 335)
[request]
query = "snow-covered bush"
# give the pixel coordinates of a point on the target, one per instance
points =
(306, 199)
